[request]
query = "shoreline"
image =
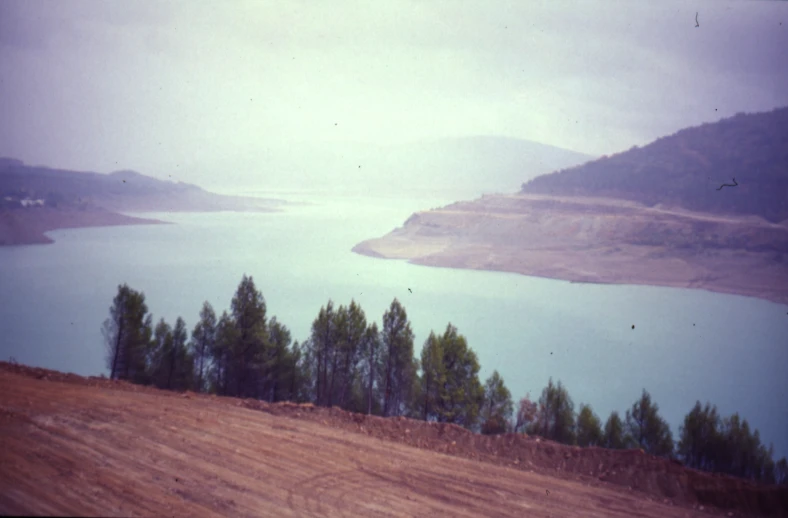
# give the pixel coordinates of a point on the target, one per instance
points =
(31, 227)
(596, 241)
(437, 262)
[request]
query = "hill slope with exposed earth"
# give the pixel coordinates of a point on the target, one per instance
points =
(657, 215)
(89, 446)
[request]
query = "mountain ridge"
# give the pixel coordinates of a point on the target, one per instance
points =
(737, 165)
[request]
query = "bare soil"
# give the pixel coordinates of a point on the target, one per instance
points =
(90, 446)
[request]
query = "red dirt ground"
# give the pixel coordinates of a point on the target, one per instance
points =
(90, 446)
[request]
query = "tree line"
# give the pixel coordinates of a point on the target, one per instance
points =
(354, 364)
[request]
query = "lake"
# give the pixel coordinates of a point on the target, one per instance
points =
(686, 345)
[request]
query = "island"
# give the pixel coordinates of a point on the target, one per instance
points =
(705, 208)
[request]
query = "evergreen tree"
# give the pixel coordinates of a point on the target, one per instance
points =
(781, 471)
(433, 376)
(647, 428)
(278, 362)
(614, 437)
(307, 367)
(162, 360)
(323, 345)
(451, 390)
(202, 343)
(555, 418)
(127, 333)
(372, 368)
(741, 452)
(221, 356)
(497, 408)
(295, 383)
(181, 375)
(397, 359)
(352, 326)
(700, 441)
(248, 351)
(589, 427)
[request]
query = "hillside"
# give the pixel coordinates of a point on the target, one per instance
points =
(655, 216)
(34, 200)
(686, 169)
(80, 446)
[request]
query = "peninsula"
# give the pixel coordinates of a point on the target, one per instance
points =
(657, 215)
(35, 200)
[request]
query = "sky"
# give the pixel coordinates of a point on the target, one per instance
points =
(193, 89)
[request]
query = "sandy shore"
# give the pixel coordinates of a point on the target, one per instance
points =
(597, 241)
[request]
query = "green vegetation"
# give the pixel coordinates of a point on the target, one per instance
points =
(614, 437)
(353, 364)
(555, 417)
(686, 169)
(648, 430)
(727, 445)
(497, 407)
(589, 427)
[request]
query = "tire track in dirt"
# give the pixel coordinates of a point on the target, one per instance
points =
(71, 448)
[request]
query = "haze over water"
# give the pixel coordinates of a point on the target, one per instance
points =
(687, 345)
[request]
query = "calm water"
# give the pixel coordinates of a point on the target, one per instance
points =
(686, 344)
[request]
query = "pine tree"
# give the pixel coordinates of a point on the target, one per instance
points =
(433, 376)
(202, 343)
(181, 376)
(222, 370)
(700, 440)
(372, 367)
(352, 328)
(397, 353)
(277, 362)
(162, 355)
(555, 418)
(589, 428)
(614, 437)
(248, 352)
(450, 386)
(647, 428)
(497, 408)
(127, 334)
(322, 350)
(781, 471)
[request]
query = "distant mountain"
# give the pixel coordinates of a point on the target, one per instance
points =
(455, 167)
(689, 168)
(477, 164)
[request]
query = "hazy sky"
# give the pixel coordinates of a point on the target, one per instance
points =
(175, 87)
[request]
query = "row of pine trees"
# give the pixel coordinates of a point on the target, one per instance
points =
(353, 364)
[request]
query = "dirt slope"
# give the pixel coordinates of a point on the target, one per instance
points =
(85, 446)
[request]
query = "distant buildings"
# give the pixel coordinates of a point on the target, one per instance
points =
(25, 202)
